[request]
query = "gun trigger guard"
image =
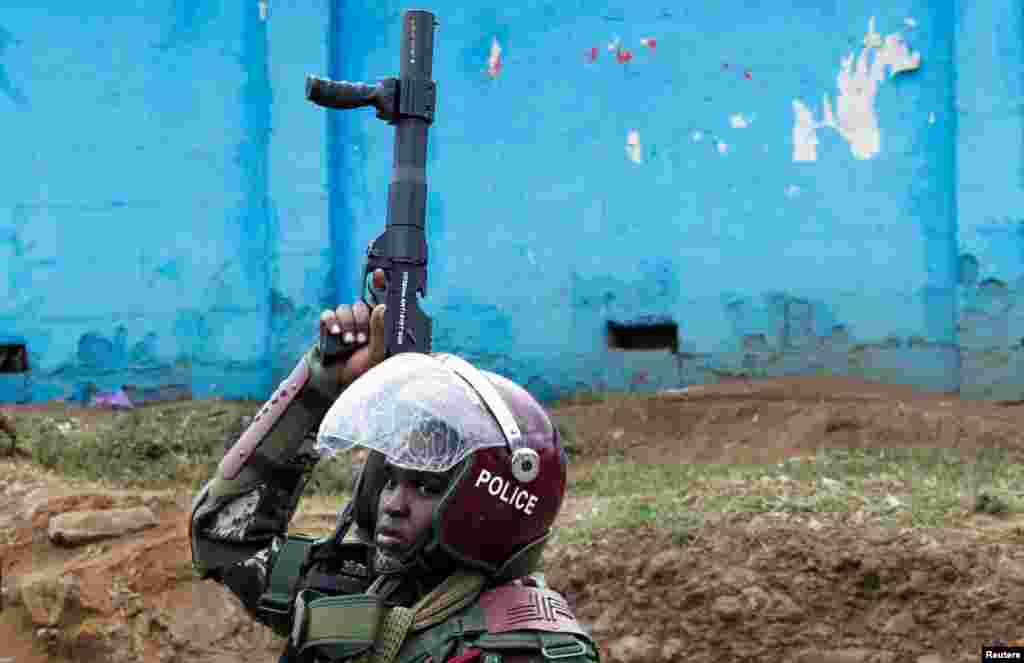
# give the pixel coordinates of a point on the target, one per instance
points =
(366, 291)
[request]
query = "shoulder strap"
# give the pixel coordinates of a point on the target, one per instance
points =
(561, 647)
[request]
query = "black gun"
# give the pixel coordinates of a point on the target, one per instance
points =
(407, 102)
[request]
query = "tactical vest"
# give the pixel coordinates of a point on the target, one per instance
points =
(523, 616)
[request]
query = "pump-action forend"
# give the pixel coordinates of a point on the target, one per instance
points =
(408, 103)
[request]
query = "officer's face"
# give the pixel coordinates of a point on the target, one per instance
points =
(406, 505)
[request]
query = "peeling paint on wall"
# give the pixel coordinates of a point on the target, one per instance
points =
(739, 121)
(633, 146)
(203, 337)
(858, 80)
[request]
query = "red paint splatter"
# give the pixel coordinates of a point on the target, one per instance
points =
(494, 62)
(746, 72)
(623, 55)
(649, 42)
(591, 55)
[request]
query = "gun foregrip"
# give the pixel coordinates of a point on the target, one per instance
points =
(339, 94)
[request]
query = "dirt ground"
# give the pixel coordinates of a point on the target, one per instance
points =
(767, 587)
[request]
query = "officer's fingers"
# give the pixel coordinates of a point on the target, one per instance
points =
(329, 322)
(378, 344)
(361, 313)
(380, 279)
(347, 323)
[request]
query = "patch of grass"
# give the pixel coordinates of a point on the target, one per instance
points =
(630, 512)
(615, 477)
(919, 487)
(566, 435)
(683, 525)
(333, 476)
(134, 447)
(154, 445)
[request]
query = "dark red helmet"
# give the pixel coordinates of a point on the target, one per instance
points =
(437, 412)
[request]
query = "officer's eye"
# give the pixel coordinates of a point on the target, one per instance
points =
(430, 488)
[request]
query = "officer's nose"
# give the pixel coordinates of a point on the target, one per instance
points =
(396, 502)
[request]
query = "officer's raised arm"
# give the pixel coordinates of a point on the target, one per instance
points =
(240, 517)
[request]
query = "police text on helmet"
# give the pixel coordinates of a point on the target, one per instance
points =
(503, 490)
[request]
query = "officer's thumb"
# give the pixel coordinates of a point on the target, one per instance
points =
(378, 343)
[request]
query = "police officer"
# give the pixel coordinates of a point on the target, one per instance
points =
(435, 557)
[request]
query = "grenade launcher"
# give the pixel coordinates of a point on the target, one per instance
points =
(408, 103)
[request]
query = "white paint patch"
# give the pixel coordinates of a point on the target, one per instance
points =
(792, 191)
(872, 39)
(697, 136)
(737, 121)
(633, 146)
(263, 9)
(805, 138)
(615, 44)
(854, 117)
(723, 147)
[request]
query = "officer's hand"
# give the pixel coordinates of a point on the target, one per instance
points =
(357, 327)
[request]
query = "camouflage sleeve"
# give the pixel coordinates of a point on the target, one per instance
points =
(238, 539)
(249, 581)
(264, 511)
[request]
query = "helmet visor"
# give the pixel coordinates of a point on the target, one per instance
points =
(415, 411)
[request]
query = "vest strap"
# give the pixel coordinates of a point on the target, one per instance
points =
(284, 575)
(336, 627)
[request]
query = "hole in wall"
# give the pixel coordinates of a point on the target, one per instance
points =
(13, 358)
(643, 336)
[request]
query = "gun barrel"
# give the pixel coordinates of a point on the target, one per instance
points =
(417, 45)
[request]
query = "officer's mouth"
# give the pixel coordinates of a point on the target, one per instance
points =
(390, 539)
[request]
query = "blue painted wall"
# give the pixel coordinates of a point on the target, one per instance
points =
(175, 213)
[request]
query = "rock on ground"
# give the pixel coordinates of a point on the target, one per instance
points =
(78, 527)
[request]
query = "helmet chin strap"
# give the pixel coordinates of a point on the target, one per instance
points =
(417, 565)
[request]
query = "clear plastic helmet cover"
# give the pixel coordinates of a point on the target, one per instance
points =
(415, 411)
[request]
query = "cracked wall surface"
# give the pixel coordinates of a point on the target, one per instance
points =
(175, 214)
